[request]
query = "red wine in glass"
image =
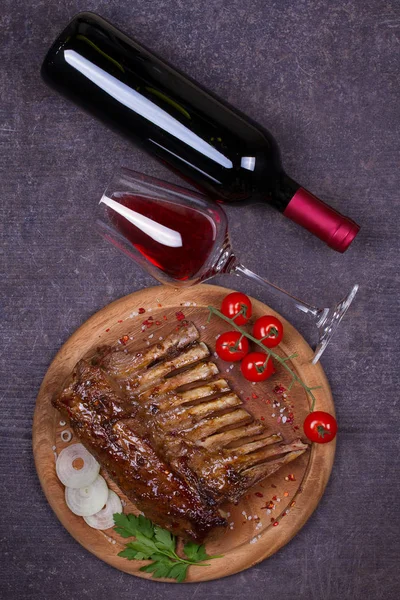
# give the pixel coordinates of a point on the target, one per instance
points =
(181, 239)
(195, 237)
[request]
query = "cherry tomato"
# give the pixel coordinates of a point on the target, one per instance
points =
(255, 366)
(235, 303)
(320, 427)
(232, 346)
(268, 326)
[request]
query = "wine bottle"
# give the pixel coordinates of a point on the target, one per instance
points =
(217, 148)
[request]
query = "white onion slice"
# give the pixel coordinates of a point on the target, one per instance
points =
(66, 435)
(104, 519)
(87, 500)
(67, 471)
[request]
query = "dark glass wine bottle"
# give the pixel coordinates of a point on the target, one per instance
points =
(217, 148)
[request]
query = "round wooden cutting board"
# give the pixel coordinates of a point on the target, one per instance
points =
(272, 512)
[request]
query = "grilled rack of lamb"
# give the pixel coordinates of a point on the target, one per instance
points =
(170, 431)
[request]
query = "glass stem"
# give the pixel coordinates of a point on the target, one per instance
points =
(239, 269)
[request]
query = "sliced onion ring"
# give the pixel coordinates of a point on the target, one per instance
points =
(68, 474)
(104, 519)
(87, 500)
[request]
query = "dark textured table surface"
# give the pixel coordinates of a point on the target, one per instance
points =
(322, 76)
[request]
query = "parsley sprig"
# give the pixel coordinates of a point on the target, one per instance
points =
(158, 545)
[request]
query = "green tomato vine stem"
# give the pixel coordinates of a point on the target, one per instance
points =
(271, 353)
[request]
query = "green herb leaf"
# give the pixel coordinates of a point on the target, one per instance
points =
(165, 539)
(145, 526)
(190, 549)
(129, 553)
(177, 571)
(162, 569)
(195, 552)
(158, 545)
(127, 525)
(181, 574)
(149, 568)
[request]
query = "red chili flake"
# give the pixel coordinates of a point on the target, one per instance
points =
(268, 401)
(159, 305)
(296, 427)
(107, 330)
(179, 315)
(293, 502)
(279, 389)
(291, 477)
(148, 322)
(270, 505)
(124, 339)
(286, 494)
(158, 322)
(290, 418)
(272, 519)
(262, 419)
(275, 498)
(120, 321)
(165, 318)
(141, 311)
(253, 395)
(275, 524)
(259, 494)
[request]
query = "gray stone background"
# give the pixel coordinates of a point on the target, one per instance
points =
(322, 76)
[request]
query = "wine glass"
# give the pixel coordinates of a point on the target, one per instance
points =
(181, 238)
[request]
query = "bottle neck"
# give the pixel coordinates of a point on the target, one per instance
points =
(283, 191)
(305, 209)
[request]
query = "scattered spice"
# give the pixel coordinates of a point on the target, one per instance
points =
(120, 321)
(293, 502)
(254, 396)
(290, 418)
(158, 322)
(275, 524)
(179, 315)
(141, 311)
(286, 494)
(147, 323)
(107, 330)
(279, 389)
(124, 340)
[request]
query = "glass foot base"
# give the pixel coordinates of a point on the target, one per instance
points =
(329, 321)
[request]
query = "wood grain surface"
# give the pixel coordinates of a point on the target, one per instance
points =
(255, 532)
